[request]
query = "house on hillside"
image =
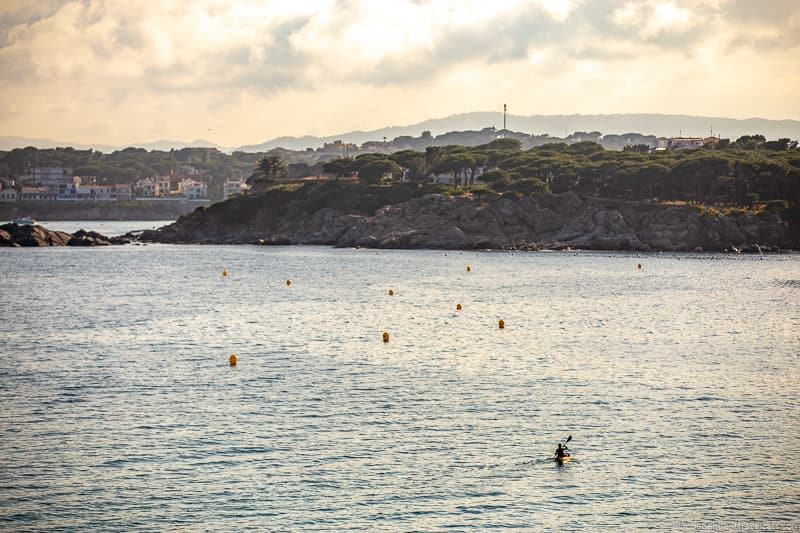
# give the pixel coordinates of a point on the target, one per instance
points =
(123, 192)
(188, 170)
(689, 143)
(192, 189)
(338, 147)
(51, 177)
(7, 192)
(234, 187)
(36, 194)
(68, 191)
(153, 187)
(374, 147)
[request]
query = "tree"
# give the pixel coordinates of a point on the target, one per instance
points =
(495, 176)
(458, 163)
(779, 145)
(640, 148)
(749, 142)
(269, 168)
(585, 148)
(529, 186)
(479, 161)
(338, 167)
(700, 174)
(506, 143)
(411, 160)
(375, 171)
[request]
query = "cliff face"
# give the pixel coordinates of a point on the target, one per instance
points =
(554, 222)
(543, 221)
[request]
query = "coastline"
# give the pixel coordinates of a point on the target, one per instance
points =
(542, 221)
(419, 219)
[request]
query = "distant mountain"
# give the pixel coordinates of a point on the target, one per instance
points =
(554, 125)
(557, 125)
(9, 143)
(166, 145)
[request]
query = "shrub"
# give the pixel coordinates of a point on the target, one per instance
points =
(708, 211)
(529, 186)
(776, 206)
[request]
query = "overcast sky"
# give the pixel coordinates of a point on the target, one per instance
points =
(238, 72)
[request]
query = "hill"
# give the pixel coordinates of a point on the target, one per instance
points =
(557, 125)
(658, 125)
(8, 143)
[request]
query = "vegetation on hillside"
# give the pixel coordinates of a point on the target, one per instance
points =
(745, 173)
(130, 164)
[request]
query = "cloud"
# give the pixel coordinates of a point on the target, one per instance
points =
(269, 45)
(653, 18)
(177, 58)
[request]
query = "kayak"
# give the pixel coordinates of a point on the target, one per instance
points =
(561, 460)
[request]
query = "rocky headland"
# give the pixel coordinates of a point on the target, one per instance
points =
(409, 217)
(15, 235)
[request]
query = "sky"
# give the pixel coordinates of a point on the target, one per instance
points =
(239, 72)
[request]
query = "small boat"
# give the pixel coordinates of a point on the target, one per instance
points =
(561, 460)
(24, 221)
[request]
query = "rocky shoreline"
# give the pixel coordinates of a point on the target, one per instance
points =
(19, 236)
(436, 221)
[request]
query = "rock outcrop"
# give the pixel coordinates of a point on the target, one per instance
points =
(15, 235)
(541, 221)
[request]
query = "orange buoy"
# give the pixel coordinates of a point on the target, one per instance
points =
(458, 307)
(385, 336)
(501, 324)
(391, 292)
(224, 273)
(288, 282)
(469, 268)
(233, 359)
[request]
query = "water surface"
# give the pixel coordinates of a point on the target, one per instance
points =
(679, 384)
(109, 228)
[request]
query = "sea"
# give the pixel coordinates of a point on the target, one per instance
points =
(676, 376)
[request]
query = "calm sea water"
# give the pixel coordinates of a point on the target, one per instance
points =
(679, 383)
(109, 228)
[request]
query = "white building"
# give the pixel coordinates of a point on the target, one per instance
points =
(192, 189)
(147, 188)
(152, 187)
(122, 192)
(68, 191)
(7, 193)
(51, 177)
(188, 170)
(29, 194)
(689, 143)
(233, 187)
(103, 193)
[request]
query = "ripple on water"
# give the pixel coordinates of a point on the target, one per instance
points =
(120, 410)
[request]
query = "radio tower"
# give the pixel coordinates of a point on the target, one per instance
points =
(504, 117)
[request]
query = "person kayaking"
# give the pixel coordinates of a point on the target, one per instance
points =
(561, 452)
